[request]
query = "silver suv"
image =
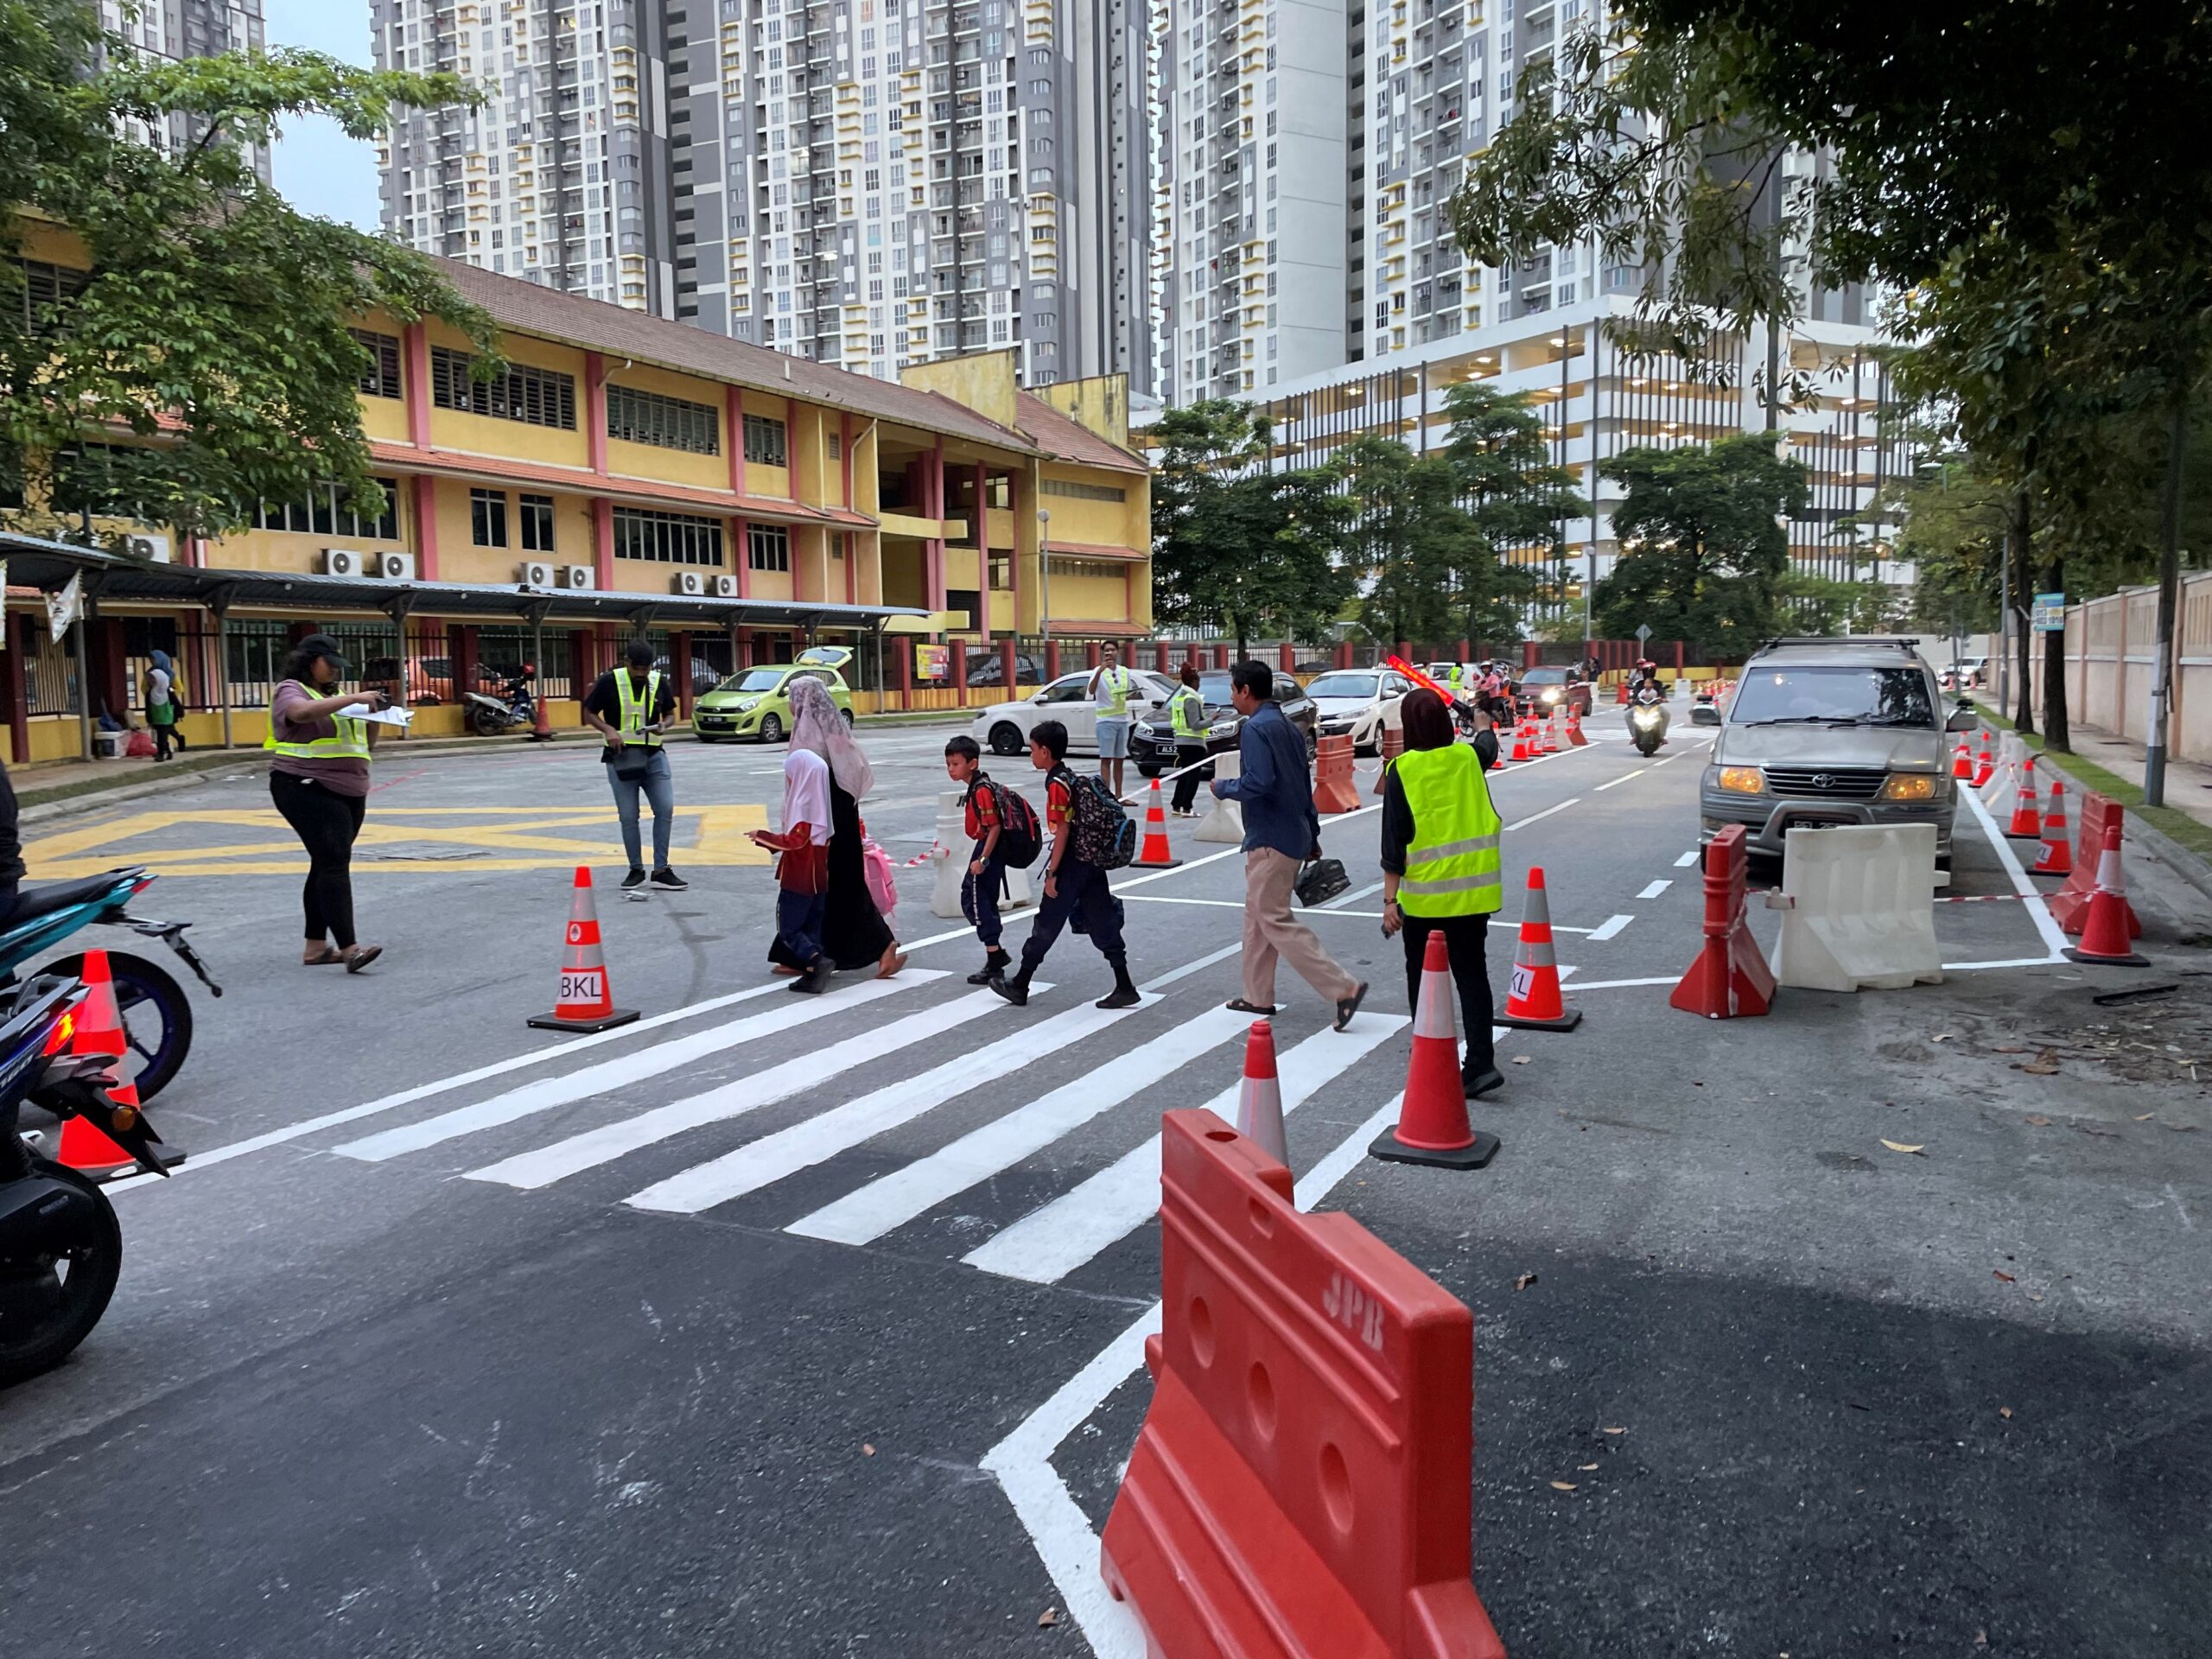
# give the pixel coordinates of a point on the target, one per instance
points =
(1831, 731)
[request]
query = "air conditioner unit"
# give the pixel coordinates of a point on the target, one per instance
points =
(155, 549)
(725, 586)
(340, 562)
(578, 577)
(690, 583)
(535, 573)
(393, 567)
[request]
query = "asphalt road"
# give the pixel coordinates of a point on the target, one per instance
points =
(782, 1328)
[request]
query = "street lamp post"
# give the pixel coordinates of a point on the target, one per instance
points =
(1044, 580)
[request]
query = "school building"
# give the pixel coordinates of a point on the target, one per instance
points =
(626, 474)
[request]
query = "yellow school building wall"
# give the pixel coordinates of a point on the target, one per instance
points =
(647, 460)
(488, 435)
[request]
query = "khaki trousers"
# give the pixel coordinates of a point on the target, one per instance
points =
(1271, 932)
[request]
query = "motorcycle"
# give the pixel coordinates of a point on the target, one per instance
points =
(1647, 720)
(60, 1246)
(488, 715)
(156, 1018)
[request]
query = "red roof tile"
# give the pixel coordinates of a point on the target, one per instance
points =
(1063, 439)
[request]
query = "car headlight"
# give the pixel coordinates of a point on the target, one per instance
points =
(1551, 694)
(1150, 734)
(1221, 729)
(1909, 786)
(746, 705)
(1742, 780)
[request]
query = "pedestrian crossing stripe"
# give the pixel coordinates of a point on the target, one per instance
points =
(1040, 1247)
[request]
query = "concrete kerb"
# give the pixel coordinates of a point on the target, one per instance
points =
(2177, 858)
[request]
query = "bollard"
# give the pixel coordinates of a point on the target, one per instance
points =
(950, 856)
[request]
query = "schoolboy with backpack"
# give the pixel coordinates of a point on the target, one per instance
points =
(1092, 834)
(1006, 836)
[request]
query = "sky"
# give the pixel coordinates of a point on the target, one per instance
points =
(318, 167)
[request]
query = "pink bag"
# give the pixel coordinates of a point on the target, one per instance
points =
(882, 878)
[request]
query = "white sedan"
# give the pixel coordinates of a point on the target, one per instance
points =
(1358, 701)
(1004, 728)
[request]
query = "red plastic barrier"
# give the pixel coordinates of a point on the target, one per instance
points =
(1333, 788)
(1300, 1490)
(2070, 906)
(1730, 977)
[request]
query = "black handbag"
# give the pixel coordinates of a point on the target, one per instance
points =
(1320, 881)
(631, 764)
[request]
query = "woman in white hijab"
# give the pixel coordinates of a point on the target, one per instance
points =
(853, 933)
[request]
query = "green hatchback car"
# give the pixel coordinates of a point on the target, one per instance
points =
(755, 704)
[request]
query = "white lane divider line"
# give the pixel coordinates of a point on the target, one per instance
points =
(1353, 897)
(1689, 858)
(2038, 910)
(894, 1200)
(1626, 985)
(1050, 1242)
(802, 1146)
(1022, 1463)
(1608, 929)
(1653, 889)
(1533, 818)
(608, 1142)
(548, 1093)
(1624, 778)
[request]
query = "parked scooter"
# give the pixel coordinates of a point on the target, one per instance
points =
(1647, 719)
(60, 1246)
(515, 706)
(156, 1019)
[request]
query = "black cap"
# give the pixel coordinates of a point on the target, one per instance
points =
(322, 645)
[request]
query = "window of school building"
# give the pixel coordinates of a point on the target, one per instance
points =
(535, 397)
(664, 423)
(764, 441)
(325, 513)
(768, 547)
(667, 538)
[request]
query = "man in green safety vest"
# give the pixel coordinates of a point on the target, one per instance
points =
(1111, 686)
(1187, 710)
(641, 703)
(1440, 869)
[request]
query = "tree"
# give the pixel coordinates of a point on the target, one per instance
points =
(1234, 544)
(1955, 519)
(209, 347)
(1402, 534)
(1704, 545)
(1516, 499)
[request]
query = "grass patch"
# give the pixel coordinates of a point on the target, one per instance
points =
(2177, 826)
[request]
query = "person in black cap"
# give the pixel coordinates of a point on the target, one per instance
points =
(319, 778)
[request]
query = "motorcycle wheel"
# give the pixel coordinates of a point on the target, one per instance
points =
(485, 723)
(156, 1019)
(1647, 746)
(48, 1304)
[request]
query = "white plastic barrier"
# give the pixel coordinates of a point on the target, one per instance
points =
(2005, 783)
(1225, 820)
(950, 859)
(1858, 904)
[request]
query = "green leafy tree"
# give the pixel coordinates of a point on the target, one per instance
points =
(1404, 535)
(1704, 547)
(210, 346)
(1515, 499)
(1236, 546)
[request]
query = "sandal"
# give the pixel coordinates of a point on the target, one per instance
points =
(327, 956)
(786, 972)
(893, 961)
(360, 956)
(1237, 1004)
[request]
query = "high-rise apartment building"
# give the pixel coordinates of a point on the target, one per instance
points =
(871, 183)
(184, 29)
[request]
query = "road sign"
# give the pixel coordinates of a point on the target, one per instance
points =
(1643, 632)
(2049, 614)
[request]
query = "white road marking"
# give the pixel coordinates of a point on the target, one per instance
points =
(1022, 1463)
(2053, 935)
(1689, 858)
(1624, 984)
(892, 1200)
(550, 1092)
(608, 1142)
(1609, 928)
(1652, 890)
(1536, 817)
(1353, 897)
(802, 1146)
(1624, 777)
(1048, 1243)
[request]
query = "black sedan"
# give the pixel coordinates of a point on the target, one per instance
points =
(1152, 739)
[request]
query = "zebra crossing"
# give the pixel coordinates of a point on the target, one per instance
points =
(1129, 1063)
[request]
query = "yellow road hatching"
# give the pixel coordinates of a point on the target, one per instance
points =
(411, 840)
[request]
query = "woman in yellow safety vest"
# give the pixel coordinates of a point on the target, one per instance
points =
(319, 779)
(1440, 869)
(1186, 711)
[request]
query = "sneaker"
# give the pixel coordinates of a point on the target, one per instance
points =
(667, 881)
(1121, 996)
(814, 980)
(1016, 990)
(994, 963)
(1475, 1084)
(635, 880)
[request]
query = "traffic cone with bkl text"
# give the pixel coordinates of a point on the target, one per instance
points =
(585, 999)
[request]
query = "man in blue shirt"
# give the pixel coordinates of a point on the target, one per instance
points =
(1281, 831)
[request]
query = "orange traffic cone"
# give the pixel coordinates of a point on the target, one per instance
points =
(1532, 997)
(2057, 855)
(1259, 1100)
(1985, 764)
(1433, 1126)
(1154, 854)
(97, 1029)
(1521, 750)
(2027, 820)
(1548, 735)
(2105, 937)
(585, 1001)
(1574, 738)
(1963, 758)
(1622, 698)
